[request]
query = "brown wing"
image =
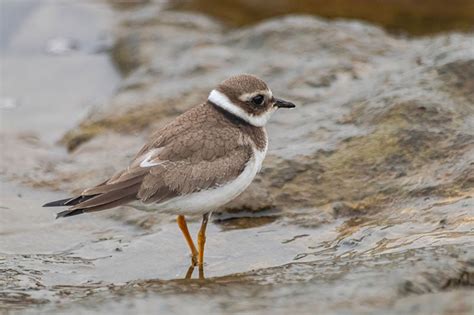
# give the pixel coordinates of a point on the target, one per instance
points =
(186, 176)
(193, 153)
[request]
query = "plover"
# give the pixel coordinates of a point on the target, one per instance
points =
(200, 161)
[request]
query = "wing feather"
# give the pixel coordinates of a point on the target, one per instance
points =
(197, 151)
(108, 197)
(186, 177)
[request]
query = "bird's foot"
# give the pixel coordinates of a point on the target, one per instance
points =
(190, 271)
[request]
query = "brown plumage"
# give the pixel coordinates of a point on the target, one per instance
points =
(200, 161)
(201, 149)
(207, 147)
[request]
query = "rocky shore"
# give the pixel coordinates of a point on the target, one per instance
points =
(372, 174)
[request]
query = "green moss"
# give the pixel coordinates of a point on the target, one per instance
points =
(132, 121)
(84, 133)
(364, 172)
(126, 53)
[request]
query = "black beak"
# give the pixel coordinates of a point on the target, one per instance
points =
(283, 104)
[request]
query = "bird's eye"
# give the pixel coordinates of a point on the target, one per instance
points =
(258, 99)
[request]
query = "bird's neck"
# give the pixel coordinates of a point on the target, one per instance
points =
(258, 135)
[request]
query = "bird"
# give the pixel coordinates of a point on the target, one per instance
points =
(200, 161)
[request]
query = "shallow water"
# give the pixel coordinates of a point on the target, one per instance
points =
(417, 256)
(53, 68)
(87, 263)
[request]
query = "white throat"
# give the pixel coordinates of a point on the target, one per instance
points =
(221, 100)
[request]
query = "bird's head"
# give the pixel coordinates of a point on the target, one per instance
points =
(248, 98)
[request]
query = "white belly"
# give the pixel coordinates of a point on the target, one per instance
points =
(209, 200)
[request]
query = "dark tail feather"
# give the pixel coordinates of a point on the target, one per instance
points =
(115, 203)
(118, 195)
(69, 213)
(68, 201)
(57, 203)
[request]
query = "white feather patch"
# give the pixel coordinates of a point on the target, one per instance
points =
(225, 103)
(147, 160)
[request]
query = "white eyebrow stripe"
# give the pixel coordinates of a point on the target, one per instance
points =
(219, 99)
(245, 97)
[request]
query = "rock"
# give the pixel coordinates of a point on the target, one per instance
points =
(380, 119)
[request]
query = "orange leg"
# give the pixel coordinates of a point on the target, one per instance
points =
(184, 229)
(189, 273)
(202, 239)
